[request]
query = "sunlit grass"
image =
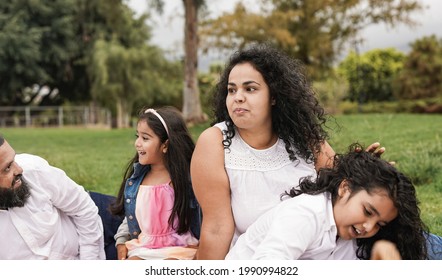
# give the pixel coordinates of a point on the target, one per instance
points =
(413, 142)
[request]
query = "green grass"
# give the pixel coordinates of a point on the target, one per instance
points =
(413, 142)
(96, 158)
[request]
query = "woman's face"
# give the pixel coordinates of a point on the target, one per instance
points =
(363, 214)
(248, 98)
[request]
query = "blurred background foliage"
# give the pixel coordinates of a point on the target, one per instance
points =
(99, 53)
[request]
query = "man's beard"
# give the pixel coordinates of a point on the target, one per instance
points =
(14, 197)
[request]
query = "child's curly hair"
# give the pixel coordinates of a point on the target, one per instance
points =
(366, 171)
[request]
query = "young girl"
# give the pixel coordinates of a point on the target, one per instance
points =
(360, 198)
(156, 195)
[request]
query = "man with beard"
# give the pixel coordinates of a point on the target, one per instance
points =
(43, 213)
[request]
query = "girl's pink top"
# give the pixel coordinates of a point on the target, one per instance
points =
(154, 205)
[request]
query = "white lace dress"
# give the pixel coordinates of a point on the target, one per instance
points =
(258, 178)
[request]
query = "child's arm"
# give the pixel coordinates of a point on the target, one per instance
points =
(385, 250)
(121, 237)
(290, 229)
(287, 238)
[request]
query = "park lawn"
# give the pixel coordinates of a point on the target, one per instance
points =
(413, 142)
(94, 158)
(97, 158)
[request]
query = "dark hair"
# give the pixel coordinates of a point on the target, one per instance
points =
(2, 140)
(297, 117)
(366, 171)
(177, 161)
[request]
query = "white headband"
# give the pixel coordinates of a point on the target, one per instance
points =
(150, 110)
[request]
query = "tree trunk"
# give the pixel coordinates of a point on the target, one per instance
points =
(192, 111)
(122, 120)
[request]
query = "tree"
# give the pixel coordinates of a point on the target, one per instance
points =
(331, 91)
(84, 50)
(100, 20)
(37, 42)
(191, 96)
(371, 75)
(192, 111)
(125, 69)
(422, 73)
(314, 31)
(122, 77)
(117, 77)
(48, 43)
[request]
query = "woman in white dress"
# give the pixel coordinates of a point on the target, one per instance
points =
(268, 133)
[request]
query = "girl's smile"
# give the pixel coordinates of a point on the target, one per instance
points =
(148, 145)
(362, 214)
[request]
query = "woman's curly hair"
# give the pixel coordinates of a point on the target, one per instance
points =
(297, 117)
(366, 171)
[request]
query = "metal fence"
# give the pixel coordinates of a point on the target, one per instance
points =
(53, 116)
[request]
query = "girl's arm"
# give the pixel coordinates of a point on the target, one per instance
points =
(212, 190)
(121, 237)
(289, 229)
(385, 250)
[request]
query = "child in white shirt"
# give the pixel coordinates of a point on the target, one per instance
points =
(361, 200)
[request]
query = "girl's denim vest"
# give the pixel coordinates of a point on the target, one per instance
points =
(130, 196)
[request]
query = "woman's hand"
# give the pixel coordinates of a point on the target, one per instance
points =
(375, 149)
